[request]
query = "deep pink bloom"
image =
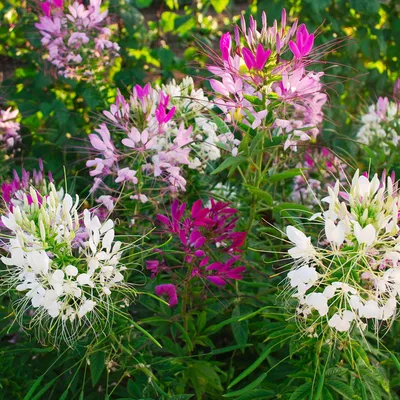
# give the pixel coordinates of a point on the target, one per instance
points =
(46, 8)
(169, 291)
(304, 42)
(142, 92)
(162, 116)
(222, 272)
(258, 60)
(225, 45)
(153, 267)
(12, 192)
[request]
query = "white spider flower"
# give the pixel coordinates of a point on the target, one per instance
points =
(380, 125)
(352, 275)
(65, 269)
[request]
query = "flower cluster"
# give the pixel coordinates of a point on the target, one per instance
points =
(319, 169)
(260, 84)
(203, 237)
(9, 128)
(381, 124)
(353, 275)
(151, 134)
(13, 193)
(65, 264)
(77, 43)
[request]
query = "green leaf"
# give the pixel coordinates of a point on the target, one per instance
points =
(33, 387)
(258, 394)
(302, 391)
(255, 142)
(168, 21)
(253, 100)
(219, 5)
(249, 387)
(229, 349)
(256, 363)
(261, 194)
(97, 365)
(181, 397)
(280, 176)
(39, 394)
(64, 395)
(240, 329)
(229, 162)
(142, 3)
(340, 387)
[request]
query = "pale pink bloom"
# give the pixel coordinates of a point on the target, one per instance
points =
(106, 201)
(126, 175)
(138, 141)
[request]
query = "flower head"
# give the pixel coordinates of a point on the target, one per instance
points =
(77, 44)
(158, 131)
(351, 276)
(252, 79)
(65, 266)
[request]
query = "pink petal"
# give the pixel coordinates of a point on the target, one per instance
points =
(293, 47)
(248, 58)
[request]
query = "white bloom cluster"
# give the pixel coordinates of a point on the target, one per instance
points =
(66, 267)
(381, 124)
(193, 106)
(353, 275)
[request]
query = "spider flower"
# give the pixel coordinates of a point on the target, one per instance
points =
(352, 274)
(77, 42)
(65, 265)
(9, 129)
(381, 124)
(207, 239)
(158, 133)
(265, 75)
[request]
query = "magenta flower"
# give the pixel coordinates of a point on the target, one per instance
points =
(12, 192)
(223, 272)
(161, 114)
(225, 46)
(304, 42)
(204, 228)
(142, 92)
(259, 60)
(153, 267)
(169, 291)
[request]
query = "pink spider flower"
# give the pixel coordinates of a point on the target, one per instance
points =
(153, 137)
(304, 42)
(75, 38)
(268, 74)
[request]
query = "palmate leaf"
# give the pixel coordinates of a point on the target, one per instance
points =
(342, 388)
(302, 391)
(231, 162)
(97, 365)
